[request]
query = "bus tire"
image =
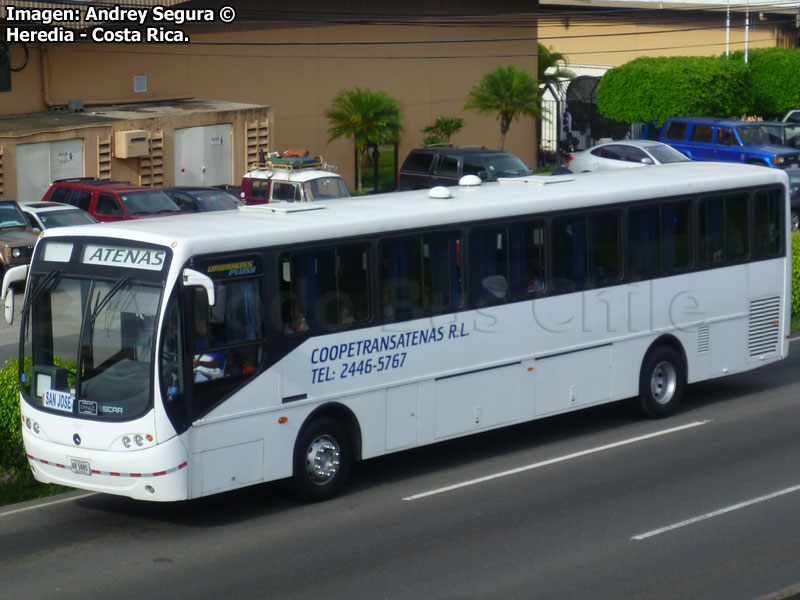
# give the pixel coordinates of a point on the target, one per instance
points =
(322, 458)
(661, 382)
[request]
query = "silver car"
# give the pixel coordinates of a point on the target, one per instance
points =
(624, 154)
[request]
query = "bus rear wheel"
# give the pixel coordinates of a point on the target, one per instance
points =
(322, 458)
(661, 382)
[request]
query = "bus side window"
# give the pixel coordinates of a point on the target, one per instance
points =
(767, 224)
(569, 253)
(676, 236)
(488, 260)
(711, 231)
(324, 288)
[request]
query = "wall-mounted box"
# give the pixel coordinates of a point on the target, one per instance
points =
(130, 144)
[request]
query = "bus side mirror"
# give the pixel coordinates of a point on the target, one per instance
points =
(198, 279)
(13, 275)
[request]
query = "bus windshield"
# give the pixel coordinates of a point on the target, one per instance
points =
(88, 345)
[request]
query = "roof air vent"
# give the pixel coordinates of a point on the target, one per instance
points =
(470, 180)
(439, 193)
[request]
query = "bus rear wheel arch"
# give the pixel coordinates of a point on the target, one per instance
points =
(662, 381)
(323, 454)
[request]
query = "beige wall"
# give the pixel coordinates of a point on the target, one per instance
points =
(298, 82)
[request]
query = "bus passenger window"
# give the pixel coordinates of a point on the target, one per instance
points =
(736, 230)
(569, 253)
(767, 224)
(324, 288)
(711, 226)
(420, 274)
(488, 263)
(676, 244)
(644, 253)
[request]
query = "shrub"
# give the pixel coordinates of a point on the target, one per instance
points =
(12, 452)
(775, 76)
(653, 89)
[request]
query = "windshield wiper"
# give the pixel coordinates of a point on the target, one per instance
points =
(47, 283)
(101, 304)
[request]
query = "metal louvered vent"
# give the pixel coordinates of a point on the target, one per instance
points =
(764, 327)
(703, 339)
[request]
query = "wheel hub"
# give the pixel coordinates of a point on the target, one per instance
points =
(663, 382)
(323, 459)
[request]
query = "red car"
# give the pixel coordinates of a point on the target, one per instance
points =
(111, 200)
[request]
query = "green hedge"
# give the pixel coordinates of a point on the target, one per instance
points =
(653, 89)
(796, 273)
(12, 452)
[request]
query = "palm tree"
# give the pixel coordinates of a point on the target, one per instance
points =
(548, 59)
(368, 118)
(551, 75)
(508, 92)
(442, 130)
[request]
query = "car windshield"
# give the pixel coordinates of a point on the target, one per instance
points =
(149, 202)
(666, 154)
(62, 218)
(216, 200)
(506, 165)
(326, 188)
(11, 216)
(753, 134)
(88, 345)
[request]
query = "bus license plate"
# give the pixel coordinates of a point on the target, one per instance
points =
(80, 466)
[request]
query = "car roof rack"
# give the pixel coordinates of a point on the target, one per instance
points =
(294, 163)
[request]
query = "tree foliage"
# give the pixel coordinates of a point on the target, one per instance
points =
(508, 92)
(775, 77)
(555, 63)
(366, 117)
(654, 89)
(442, 130)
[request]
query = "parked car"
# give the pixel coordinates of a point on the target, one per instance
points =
(17, 239)
(624, 154)
(202, 199)
(793, 115)
(294, 179)
(445, 165)
(111, 200)
(43, 215)
(782, 133)
(727, 140)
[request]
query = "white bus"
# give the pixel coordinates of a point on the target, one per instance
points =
(178, 357)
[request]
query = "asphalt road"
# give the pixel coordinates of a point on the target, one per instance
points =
(596, 504)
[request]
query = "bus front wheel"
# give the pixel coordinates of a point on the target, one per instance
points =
(322, 458)
(661, 382)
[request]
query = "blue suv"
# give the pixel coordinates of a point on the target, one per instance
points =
(726, 140)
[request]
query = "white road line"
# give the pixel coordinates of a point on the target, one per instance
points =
(716, 513)
(553, 461)
(45, 504)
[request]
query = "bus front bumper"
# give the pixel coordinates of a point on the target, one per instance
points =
(159, 473)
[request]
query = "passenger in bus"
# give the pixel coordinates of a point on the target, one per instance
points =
(296, 321)
(208, 364)
(495, 289)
